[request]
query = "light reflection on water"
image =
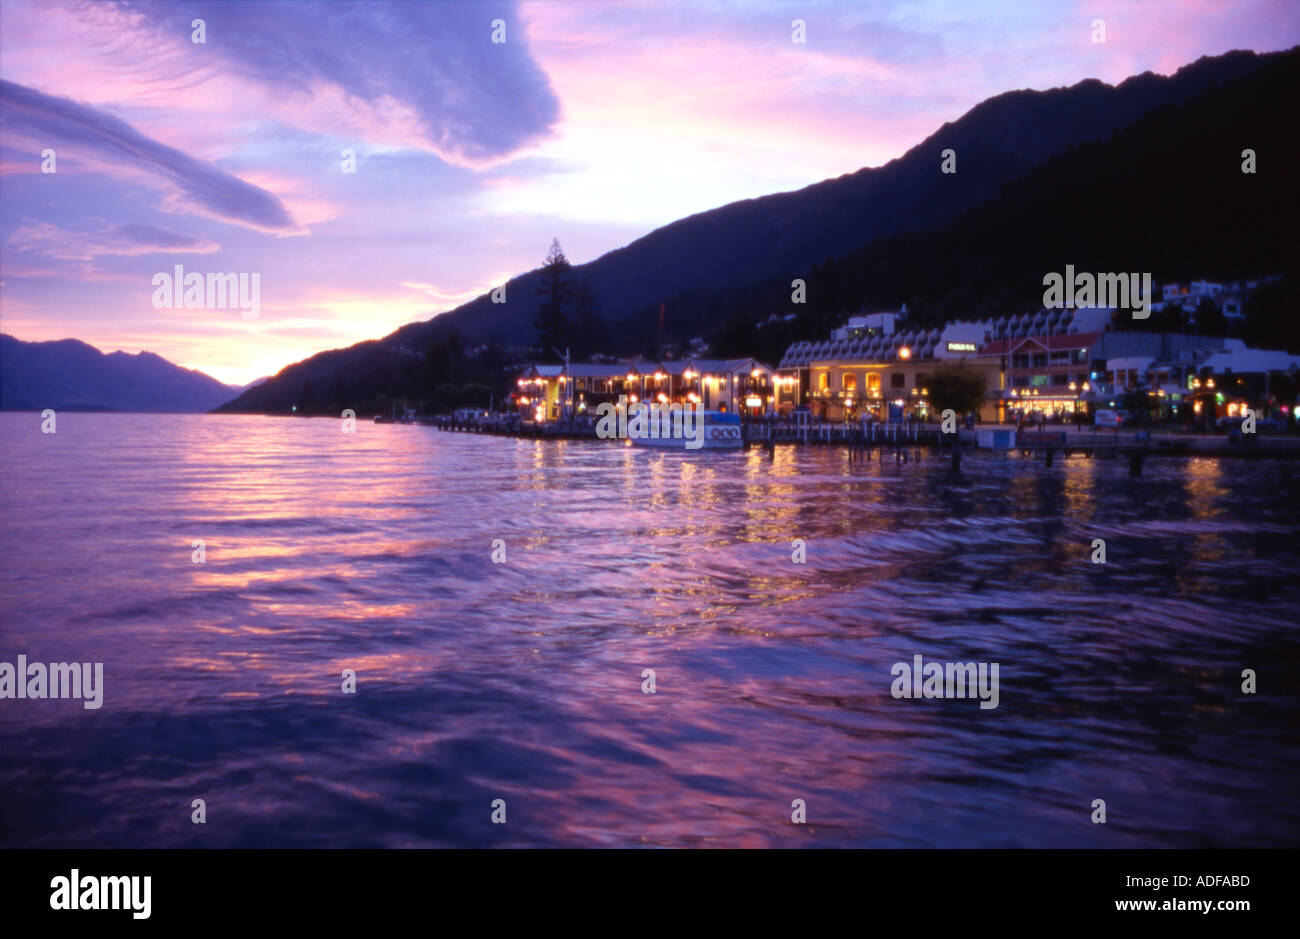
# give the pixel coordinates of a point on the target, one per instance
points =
(523, 680)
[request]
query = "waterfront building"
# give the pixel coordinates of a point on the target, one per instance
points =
(1045, 373)
(882, 374)
(1212, 375)
(554, 392)
(1245, 380)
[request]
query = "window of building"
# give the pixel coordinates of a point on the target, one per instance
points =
(823, 381)
(897, 380)
(850, 381)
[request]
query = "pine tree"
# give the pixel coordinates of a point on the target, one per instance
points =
(590, 334)
(554, 292)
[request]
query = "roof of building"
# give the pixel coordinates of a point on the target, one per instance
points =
(1237, 357)
(1057, 329)
(542, 370)
(603, 370)
(1051, 342)
(644, 367)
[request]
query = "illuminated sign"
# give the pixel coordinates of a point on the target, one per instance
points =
(961, 347)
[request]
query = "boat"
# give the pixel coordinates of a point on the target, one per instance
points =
(721, 432)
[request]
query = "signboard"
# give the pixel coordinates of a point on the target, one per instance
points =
(961, 347)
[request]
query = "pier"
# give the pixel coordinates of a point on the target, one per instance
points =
(862, 440)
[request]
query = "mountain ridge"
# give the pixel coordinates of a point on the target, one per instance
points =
(997, 141)
(69, 374)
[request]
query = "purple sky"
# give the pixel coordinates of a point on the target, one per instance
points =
(594, 122)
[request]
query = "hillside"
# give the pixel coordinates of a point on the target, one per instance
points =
(71, 375)
(707, 265)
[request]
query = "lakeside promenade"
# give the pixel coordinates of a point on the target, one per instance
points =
(1050, 440)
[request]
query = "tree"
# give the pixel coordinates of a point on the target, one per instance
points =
(476, 395)
(554, 293)
(443, 359)
(1137, 401)
(735, 338)
(446, 397)
(589, 330)
(1210, 320)
(958, 386)
(957, 304)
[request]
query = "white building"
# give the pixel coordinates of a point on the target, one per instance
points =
(1237, 358)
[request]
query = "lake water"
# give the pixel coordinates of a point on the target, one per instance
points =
(522, 680)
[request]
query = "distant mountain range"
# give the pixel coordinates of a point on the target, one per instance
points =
(71, 375)
(723, 253)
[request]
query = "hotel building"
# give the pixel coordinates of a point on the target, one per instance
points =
(869, 369)
(554, 392)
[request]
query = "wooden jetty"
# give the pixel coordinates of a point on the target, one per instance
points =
(862, 440)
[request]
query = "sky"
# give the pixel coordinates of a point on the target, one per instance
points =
(594, 122)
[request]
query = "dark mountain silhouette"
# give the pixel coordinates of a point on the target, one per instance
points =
(721, 254)
(70, 375)
(1164, 195)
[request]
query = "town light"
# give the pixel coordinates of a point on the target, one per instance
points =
(904, 353)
